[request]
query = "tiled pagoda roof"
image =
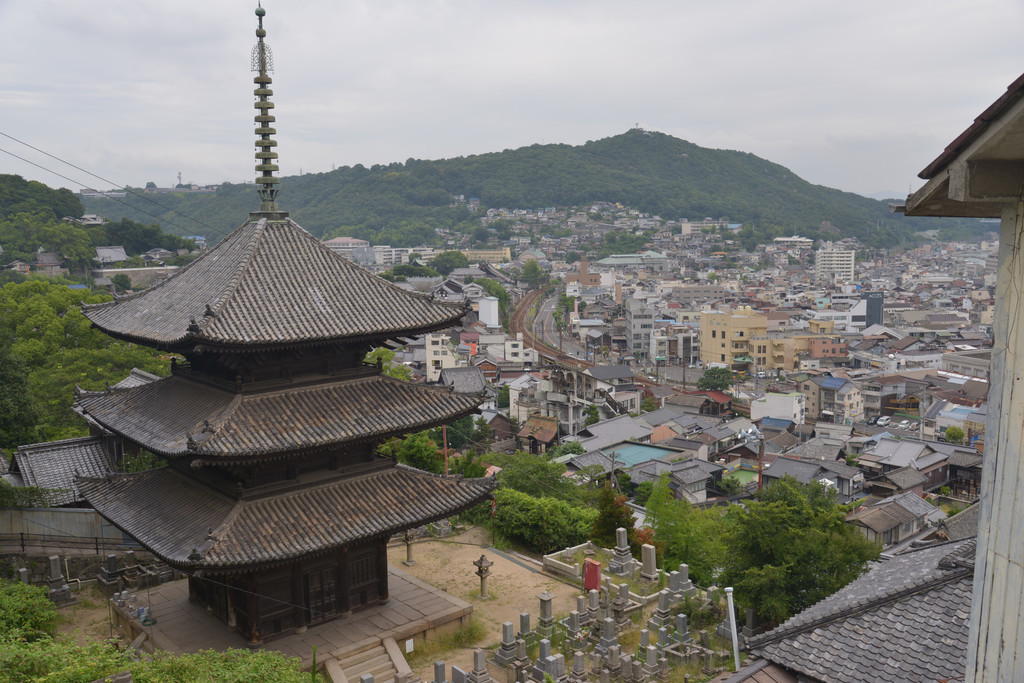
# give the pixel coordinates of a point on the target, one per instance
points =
(270, 284)
(196, 528)
(176, 416)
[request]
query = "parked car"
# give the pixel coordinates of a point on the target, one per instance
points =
(883, 421)
(904, 424)
(873, 419)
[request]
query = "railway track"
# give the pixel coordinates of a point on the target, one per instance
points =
(519, 321)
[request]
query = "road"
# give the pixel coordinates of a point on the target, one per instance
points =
(544, 329)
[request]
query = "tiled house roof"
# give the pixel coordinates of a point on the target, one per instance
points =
(197, 528)
(904, 620)
(176, 416)
(55, 464)
(270, 284)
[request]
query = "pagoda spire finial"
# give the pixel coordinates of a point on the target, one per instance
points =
(266, 158)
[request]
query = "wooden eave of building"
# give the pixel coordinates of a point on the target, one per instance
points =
(179, 417)
(265, 286)
(200, 530)
(982, 170)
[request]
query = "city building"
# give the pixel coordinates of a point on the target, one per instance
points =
(833, 265)
(727, 339)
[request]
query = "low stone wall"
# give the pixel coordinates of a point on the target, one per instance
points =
(556, 562)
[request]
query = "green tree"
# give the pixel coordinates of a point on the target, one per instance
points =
(791, 549)
(419, 451)
(533, 275)
(954, 435)
(122, 282)
(447, 261)
(643, 492)
(715, 379)
(26, 612)
(648, 404)
(686, 533)
(612, 514)
(503, 396)
(565, 448)
(386, 358)
(541, 523)
(43, 322)
(535, 476)
(18, 414)
(593, 416)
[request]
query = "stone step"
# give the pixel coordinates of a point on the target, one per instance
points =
(380, 664)
(363, 655)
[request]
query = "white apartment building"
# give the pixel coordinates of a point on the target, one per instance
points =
(439, 355)
(833, 265)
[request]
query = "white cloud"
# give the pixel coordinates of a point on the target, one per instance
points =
(858, 96)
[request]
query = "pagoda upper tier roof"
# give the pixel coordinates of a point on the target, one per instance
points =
(266, 285)
(177, 416)
(196, 528)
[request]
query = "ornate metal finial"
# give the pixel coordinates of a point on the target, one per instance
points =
(262, 63)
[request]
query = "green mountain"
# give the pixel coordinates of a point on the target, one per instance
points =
(402, 204)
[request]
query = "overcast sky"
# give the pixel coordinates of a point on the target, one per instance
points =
(858, 96)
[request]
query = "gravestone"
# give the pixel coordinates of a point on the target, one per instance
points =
(546, 621)
(648, 556)
(524, 626)
(506, 652)
(607, 638)
(538, 670)
(60, 593)
(682, 634)
(620, 605)
(439, 672)
(573, 632)
(579, 669)
(582, 611)
(622, 562)
(458, 675)
(651, 668)
(109, 577)
(662, 614)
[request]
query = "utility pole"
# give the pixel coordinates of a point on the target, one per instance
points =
(444, 437)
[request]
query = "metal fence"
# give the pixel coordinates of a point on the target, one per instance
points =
(31, 528)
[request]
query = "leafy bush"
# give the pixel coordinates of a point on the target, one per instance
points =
(26, 612)
(542, 524)
(61, 661)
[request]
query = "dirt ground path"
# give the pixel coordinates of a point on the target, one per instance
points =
(448, 564)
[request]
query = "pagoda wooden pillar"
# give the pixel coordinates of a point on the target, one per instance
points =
(344, 584)
(382, 571)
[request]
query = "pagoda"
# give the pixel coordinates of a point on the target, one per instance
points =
(274, 501)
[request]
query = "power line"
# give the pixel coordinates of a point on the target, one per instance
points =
(126, 188)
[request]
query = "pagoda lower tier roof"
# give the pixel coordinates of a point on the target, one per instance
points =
(179, 417)
(196, 528)
(270, 284)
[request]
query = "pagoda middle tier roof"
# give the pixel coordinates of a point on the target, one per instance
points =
(195, 528)
(266, 285)
(177, 416)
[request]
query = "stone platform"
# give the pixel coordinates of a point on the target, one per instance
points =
(416, 610)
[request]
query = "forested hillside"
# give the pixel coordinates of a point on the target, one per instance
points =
(402, 203)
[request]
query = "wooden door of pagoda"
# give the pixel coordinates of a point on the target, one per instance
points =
(320, 588)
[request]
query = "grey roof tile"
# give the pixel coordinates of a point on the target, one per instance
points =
(169, 514)
(177, 416)
(904, 620)
(54, 465)
(270, 284)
